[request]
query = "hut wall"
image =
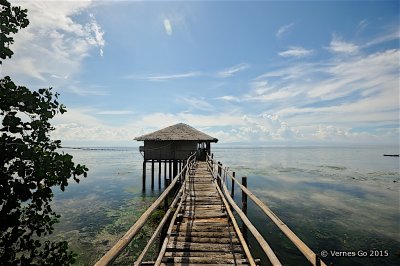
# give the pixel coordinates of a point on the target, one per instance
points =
(184, 148)
(168, 150)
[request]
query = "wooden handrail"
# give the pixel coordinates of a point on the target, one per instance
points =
(117, 249)
(263, 243)
(235, 225)
(165, 243)
(304, 249)
(159, 227)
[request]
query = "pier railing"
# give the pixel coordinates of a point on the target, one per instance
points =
(176, 191)
(220, 174)
(120, 246)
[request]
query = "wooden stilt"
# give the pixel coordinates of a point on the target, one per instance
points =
(159, 174)
(170, 173)
(244, 206)
(152, 174)
(144, 176)
(233, 186)
(175, 168)
(165, 173)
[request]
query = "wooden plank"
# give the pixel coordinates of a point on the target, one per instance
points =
(222, 234)
(203, 254)
(203, 227)
(212, 240)
(207, 260)
(204, 247)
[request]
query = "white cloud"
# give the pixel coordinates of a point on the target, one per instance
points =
(283, 30)
(196, 103)
(392, 35)
(115, 112)
(228, 98)
(232, 70)
(337, 45)
(60, 42)
(362, 25)
(295, 51)
(164, 77)
(375, 72)
(167, 26)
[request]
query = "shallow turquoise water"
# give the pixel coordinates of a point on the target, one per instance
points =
(334, 198)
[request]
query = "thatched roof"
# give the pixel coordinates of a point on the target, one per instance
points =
(179, 131)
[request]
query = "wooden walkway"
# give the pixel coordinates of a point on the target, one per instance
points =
(199, 227)
(203, 233)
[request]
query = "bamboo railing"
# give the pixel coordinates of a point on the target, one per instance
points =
(216, 169)
(119, 247)
(219, 174)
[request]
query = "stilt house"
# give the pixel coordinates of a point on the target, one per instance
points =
(175, 142)
(172, 146)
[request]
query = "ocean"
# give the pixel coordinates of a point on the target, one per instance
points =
(343, 202)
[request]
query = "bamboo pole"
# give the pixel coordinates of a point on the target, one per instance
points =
(307, 252)
(233, 186)
(158, 229)
(236, 226)
(113, 253)
(264, 245)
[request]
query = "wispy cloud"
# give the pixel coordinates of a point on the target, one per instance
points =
(283, 30)
(228, 98)
(197, 103)
(394, 34)
(167, 26)
(337, 45)
(86, 90)
(362, 25)
(296, 51)
(164, 77)
(115, 112)
(232, 70)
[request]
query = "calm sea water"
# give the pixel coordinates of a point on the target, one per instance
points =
(334, 198)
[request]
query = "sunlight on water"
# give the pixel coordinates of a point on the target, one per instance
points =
(343, 199)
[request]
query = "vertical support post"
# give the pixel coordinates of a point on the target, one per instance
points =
(212, 162)
(170, 172)
(233, 186)
(175, 170)
(144, 176)
(165, 173)
(219, 174)
(159, 174)
(152, 174)
(244, 206)
(317, 260)
(179, 171)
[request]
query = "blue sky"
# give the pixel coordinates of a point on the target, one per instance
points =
(287, 72)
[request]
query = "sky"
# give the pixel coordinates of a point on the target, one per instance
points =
(245, 72)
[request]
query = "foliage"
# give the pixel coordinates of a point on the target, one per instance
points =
(30, 164)
(11, 18)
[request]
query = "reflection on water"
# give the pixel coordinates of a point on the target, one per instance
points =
(341, 198)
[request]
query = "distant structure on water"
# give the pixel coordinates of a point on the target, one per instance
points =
(172, 145)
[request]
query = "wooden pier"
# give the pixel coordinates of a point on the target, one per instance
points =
(201, 231)
(199, 226)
